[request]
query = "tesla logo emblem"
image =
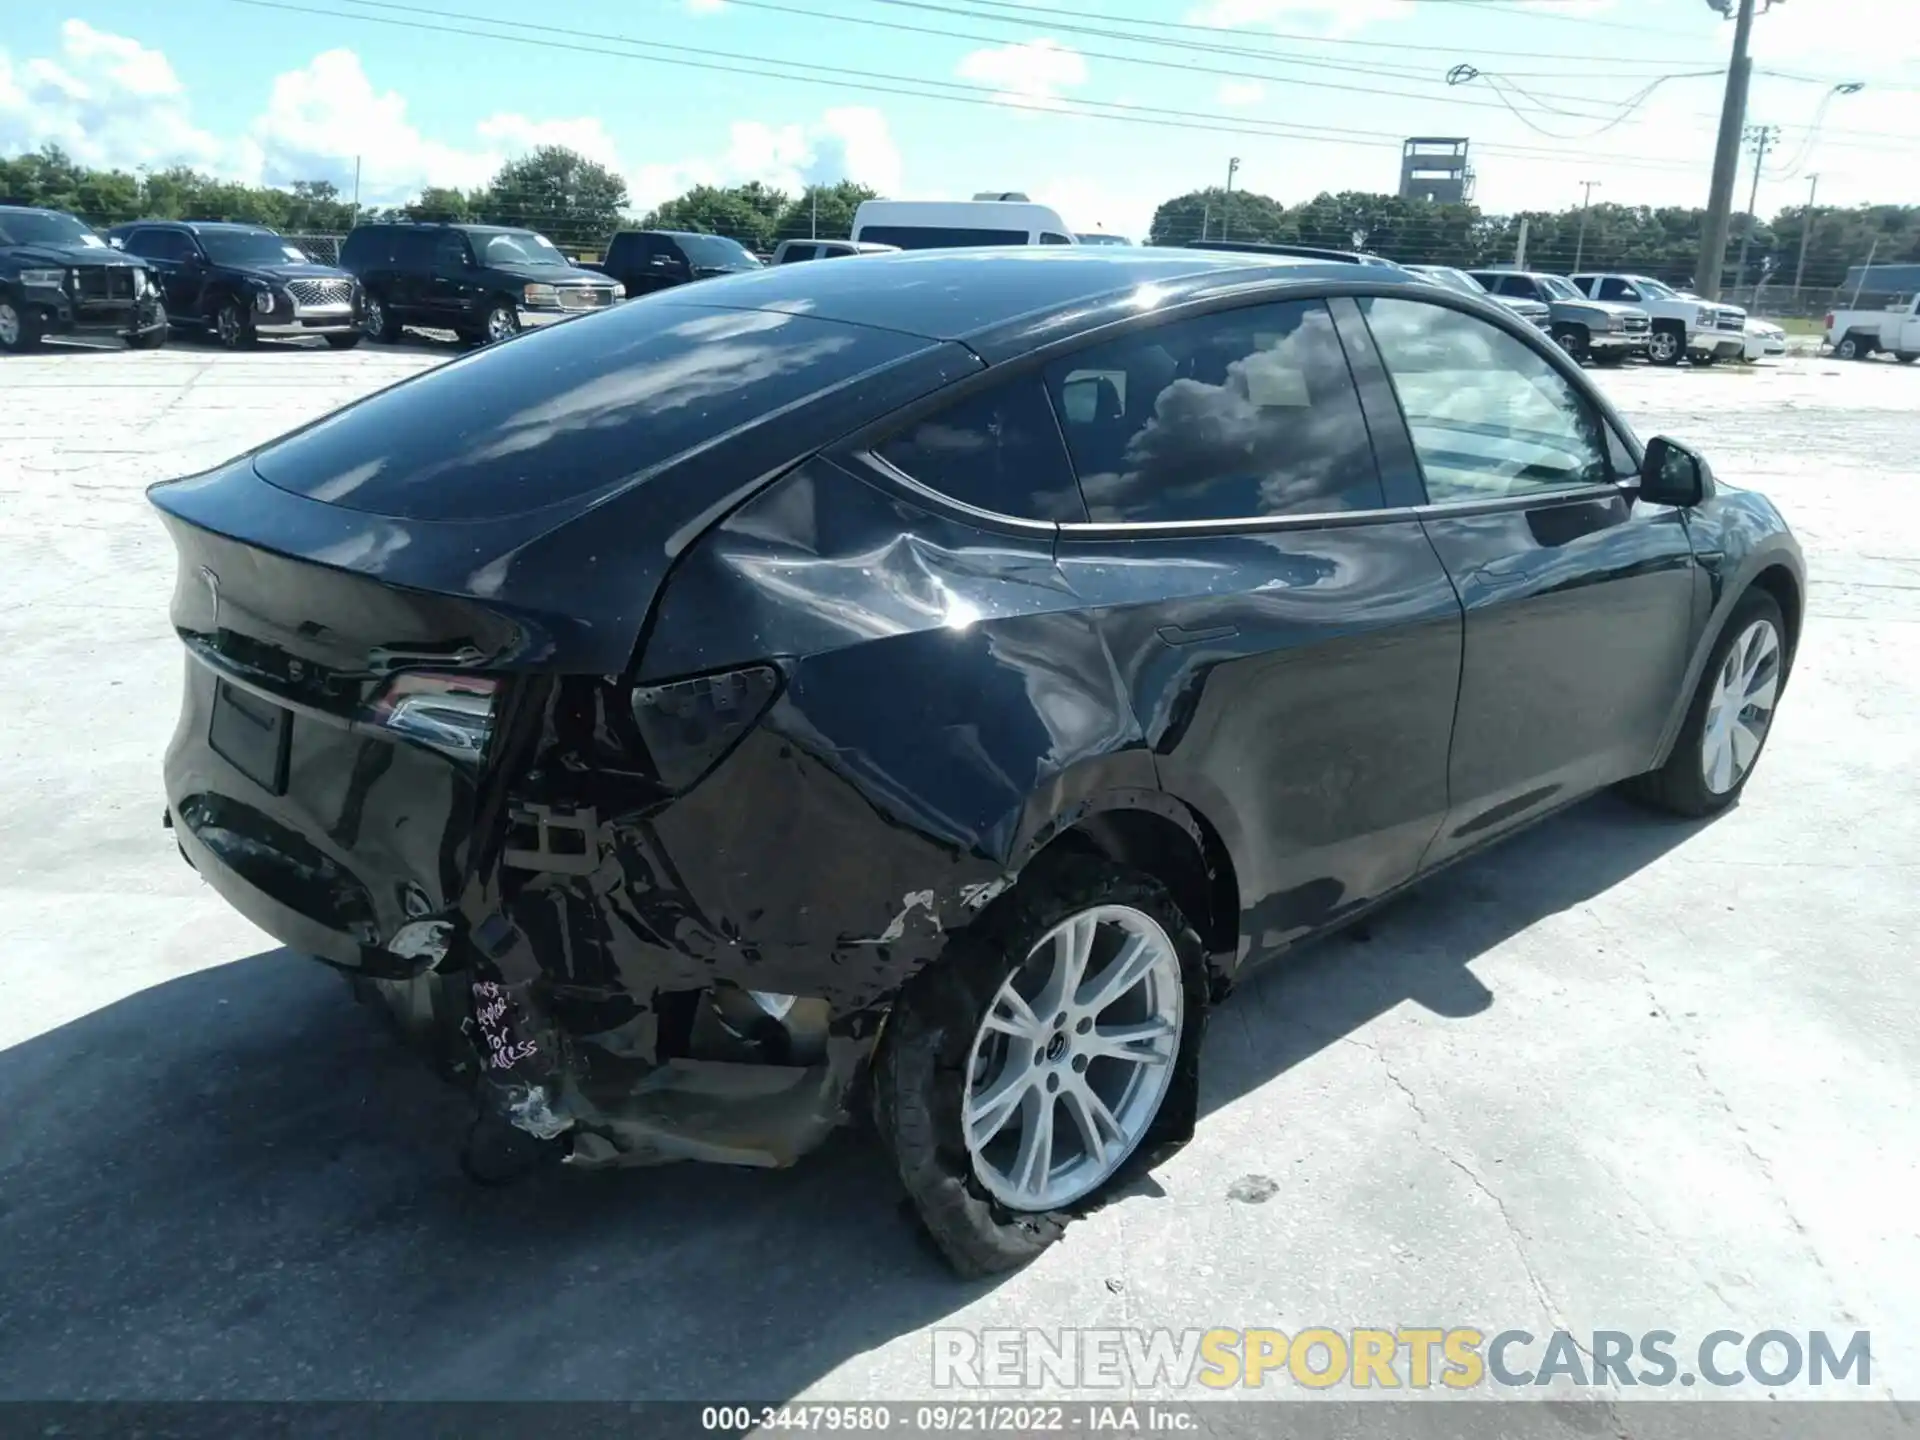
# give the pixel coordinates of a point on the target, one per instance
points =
(213, 592)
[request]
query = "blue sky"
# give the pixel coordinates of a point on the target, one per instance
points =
(270, 94)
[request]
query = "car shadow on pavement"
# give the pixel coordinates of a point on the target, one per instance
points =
(236, 1184)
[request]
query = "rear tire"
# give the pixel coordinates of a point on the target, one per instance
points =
(151, 340)
(1849, 349)
(1706, 360)
(1907, 357)
(949, 1033)
(1686, 784)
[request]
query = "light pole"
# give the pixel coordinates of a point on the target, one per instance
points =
(1586, 202)
(1762, 138)
(1226, 205)
(1806, 233)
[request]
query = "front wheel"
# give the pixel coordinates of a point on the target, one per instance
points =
(1572, 339)
(1729, 718)
(502, 323)
(377, 322)
(342, 342)
(151, 340)
(1667, 346)
(19, 331)
(233, 326)
(1022, 1070)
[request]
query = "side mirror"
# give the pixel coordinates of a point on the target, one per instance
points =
(1672, 474)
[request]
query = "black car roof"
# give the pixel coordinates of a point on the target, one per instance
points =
(954, 294)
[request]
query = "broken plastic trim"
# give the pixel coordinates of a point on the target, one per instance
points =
(688, 725)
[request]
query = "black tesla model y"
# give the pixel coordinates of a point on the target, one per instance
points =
(920, 685)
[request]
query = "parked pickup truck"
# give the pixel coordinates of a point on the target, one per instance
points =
(1684, 326)
(59, 278)
(644, 260)
(1856, 334)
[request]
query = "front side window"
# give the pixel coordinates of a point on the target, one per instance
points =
(1490, 416)
(1617, 290)
(795, 253)
(450, 252)
(998, 450)
(1238, 415)
(1047, 237)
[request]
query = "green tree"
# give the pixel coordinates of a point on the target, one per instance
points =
(1205, 214)
(559, 192)
(830, 207)
(713, 211)
(439, 202)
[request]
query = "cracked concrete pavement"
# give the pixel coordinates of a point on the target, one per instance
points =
(1621, 1073)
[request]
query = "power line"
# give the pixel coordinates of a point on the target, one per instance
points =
(1055, 11)
(877, 82)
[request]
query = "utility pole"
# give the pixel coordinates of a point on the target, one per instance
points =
(356, 189)
(1726, 154)
(1761, 138)
(1226, 205)
(1520, 248)
(1586, 202)
(1806, 232)
(813, 230)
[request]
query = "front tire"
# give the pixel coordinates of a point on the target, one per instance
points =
(502, 322)
(1573, 340)
(19, 330)
(150, 340)
(1667, 345)
(342, 342)
(1054, 1041)
(377, 322)
(233, 326)
(1730, 717)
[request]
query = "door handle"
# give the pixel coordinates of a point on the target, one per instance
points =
(1181, 635)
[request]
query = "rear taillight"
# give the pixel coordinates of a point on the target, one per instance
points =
(449, 713)
(688, 725)
(1829, 320)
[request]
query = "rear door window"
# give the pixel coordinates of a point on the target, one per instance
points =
(413, 249)
(998, 449)
(1240, 415)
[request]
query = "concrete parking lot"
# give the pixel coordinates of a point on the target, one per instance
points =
(1621, 1074)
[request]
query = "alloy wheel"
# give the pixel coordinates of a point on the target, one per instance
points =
(1663, 348)
(373, 319)
(9, 325)
(1073, 1058)
(501, 322)
(1741, 708)
(229, 325)
(1846, 350)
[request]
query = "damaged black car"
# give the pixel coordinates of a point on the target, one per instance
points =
(919, 688)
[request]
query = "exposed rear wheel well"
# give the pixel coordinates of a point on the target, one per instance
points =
(1191, 863)
(1778, 582)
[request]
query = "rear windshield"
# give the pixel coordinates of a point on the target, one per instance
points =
(580, 407)
(939, 237)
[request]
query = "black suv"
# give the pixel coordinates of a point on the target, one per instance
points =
(58, 277)
(483, 282)
(644, 260)
(244, 282)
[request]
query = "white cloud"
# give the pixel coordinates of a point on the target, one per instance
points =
(106, 100)
(1240, 92)
(1031, 73)
(850, 142)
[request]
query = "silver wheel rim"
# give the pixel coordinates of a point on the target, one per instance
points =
(1845, 350)
(1073, 1058)
(228, 323)
(9, 326)
(1664, 347)
(500, 323)
(1741, 708)
(373, 319)
(1569, 342)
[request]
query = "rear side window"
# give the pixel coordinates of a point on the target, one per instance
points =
(998, 449)
(1239, 415)
(795, 253)
(570, 411)
(938, 237)
(414, 248)
(1047, 237)
(367, 245)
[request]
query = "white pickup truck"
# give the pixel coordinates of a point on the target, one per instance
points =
(1685, 327)
(1857, 334)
